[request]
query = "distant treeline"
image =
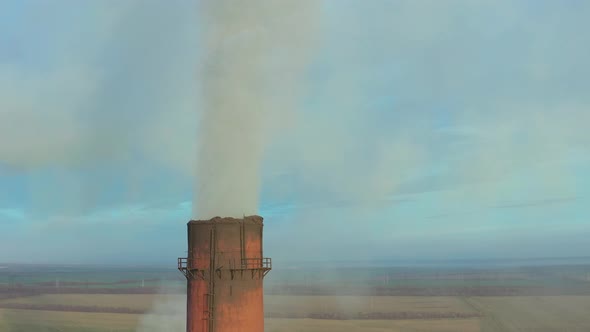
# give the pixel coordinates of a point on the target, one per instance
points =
(374, 315)
(21, 290)
(71, 308)
(428, 291)
(316, 315)
(95, 283)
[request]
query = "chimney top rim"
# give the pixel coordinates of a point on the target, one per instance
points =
(253, 219)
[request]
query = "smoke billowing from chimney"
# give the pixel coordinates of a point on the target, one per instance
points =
(253, 54)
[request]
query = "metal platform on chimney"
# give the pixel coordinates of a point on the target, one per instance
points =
(255, 265)
(189, 273)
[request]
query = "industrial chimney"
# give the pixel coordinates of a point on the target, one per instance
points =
(224, 271)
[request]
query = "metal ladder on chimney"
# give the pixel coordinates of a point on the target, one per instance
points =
(209, 311)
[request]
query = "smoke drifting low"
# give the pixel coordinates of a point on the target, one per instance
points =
(253, 57)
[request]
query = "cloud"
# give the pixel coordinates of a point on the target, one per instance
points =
(103, 107)
(39, 124)
(535, 203)
(451, 108)
(94, 94)
(11, 215)
(106, 235)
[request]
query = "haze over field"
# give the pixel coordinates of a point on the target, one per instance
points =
(401, 129)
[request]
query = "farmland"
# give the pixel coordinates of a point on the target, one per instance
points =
(519, 313)
(100, 299)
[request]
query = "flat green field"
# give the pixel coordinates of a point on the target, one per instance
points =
(312, 325)
(355, 304)
(273, 303)
(508, 313)
(168, 311)
(35, 320)
(534, 313)
(133, 301)
(32, 321)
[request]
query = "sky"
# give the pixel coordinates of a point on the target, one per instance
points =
(412, 130)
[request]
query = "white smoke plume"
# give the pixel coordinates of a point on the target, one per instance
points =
(168, 314)
(254, 57)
